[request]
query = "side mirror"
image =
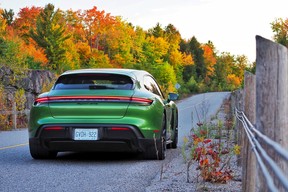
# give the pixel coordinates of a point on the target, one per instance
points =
(172, 96)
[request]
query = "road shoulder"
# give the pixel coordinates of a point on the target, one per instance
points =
(13, 138)
(173, 175)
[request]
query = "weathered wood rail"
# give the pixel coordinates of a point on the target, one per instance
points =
(265, 103)
(15, 113)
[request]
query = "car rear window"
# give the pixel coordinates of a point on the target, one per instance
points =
(94, 81)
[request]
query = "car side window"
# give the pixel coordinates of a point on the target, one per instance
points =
(151, 85)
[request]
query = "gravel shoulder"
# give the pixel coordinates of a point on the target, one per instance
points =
(173, 174)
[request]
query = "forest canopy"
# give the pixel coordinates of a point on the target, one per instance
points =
(58, 40)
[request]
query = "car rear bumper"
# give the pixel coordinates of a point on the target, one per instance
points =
(96, 146)
(128, 139)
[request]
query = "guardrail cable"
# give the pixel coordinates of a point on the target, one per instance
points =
(276, 146)
(256, 147)
(264, 170)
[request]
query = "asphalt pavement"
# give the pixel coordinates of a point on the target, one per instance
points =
(13, 138)
(93, 171)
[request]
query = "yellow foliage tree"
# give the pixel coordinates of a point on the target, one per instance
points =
(187, 59)
(175, 58)
(159, 48)
(233, 81)
(3, 23)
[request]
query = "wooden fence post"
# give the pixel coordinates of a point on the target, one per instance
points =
(238, 103)
(248, 156)
(272, 98)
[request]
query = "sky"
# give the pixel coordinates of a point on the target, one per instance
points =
(230, 24)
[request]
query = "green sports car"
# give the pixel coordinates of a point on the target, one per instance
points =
(106, 110)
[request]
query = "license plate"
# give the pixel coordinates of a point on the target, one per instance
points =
(86, 134)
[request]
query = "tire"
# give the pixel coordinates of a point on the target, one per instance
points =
(158, 149)
(174, 143)
(162, 145)
(38, 152)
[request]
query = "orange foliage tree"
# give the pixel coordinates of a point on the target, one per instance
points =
(96, 23)
(26, 20)
(209, 60)
(94, 38)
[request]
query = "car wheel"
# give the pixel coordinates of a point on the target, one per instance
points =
(158, 150)
(162, 145)
(38, 152)
(174, 143)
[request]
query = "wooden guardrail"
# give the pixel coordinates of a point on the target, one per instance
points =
(265, 104)
(15, 113)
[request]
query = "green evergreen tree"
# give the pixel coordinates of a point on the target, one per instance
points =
(8, 16)
(156, 31)
(188, 71)
(50, 35)
(197, 54)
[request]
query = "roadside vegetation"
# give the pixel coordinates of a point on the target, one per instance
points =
(211, 148)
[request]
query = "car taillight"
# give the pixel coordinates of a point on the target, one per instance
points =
(137, 100)
(120, 129)
(54, 128)
(41, 100)
(141, 101)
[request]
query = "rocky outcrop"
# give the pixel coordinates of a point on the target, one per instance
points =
(33, 82)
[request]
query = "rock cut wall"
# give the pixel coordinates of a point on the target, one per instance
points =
(33, 82)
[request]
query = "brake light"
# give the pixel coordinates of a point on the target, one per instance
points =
(141, 100)
(138, 100)
(120, 129)
(41, 100)
(54, 128)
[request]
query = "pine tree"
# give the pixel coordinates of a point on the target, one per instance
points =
(197, 54)
(8, 15)
(50, 35)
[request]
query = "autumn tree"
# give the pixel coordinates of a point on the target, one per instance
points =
(79, 53)
(138, 40)
(155, 50)
(241, 64)
(188, 61)
(75, 26)
(174, 56)
(62, 40)
(3, 23)
(50, 35)
(119, 43)
(209, 60)
(229, 71)
(280, 28)
(26, 21)
(96, 24)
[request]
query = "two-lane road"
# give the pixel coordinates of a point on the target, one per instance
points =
(197, 108)
(91, 171)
